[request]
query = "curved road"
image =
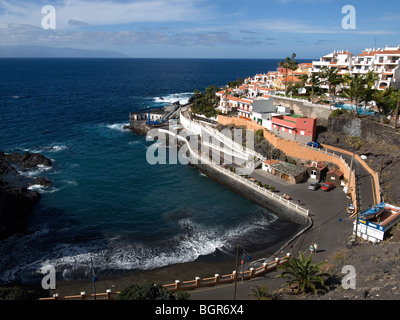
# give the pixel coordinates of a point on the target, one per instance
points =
(365, 182)
(331, 229)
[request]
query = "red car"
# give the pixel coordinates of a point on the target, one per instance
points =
(327, 186)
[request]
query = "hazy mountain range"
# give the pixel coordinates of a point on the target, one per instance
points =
(49, 52)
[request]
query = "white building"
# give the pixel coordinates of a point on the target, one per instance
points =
(343, 60)
(384, 61)
(245, 108)
(227, 103)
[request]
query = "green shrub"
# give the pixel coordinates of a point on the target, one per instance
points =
(145, 291)
(272, 188)
(16, 293)
(182, 295)
(338, 112)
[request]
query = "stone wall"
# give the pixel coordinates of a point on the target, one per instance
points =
(367, 130)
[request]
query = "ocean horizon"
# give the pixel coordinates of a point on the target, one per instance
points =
(107, 205)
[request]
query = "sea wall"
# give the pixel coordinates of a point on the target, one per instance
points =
(277, 205)
(265, 198)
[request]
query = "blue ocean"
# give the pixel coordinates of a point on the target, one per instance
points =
(107, 205)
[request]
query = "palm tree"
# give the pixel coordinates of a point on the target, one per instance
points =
(348, 81)
(288, 63)
(329, 77)
(315, 82)
(358, 84)
(304, 274)
(371, 77)
(285, 64)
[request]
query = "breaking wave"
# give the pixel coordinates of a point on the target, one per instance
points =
(114, 254)
(182, 97)
(117, 126)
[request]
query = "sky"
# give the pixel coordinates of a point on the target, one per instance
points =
(249, 29)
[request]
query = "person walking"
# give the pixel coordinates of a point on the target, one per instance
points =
(311, 248)
(315, 247)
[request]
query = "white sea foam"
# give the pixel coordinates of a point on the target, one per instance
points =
(117, 126)
(57, 148)
(36, 171)
(44, 149)
(195, 241)
(182, 97)
(39, 188)
(70, 182)
(72, 261)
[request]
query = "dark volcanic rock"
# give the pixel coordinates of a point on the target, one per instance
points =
(27, 160)
(16, 200)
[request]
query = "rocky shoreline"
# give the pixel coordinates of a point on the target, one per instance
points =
(16, 199)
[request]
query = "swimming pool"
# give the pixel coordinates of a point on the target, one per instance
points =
(361, 110)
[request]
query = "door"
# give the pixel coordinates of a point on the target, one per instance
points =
(313, 174)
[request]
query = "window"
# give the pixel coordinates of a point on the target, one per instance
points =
(302, 133)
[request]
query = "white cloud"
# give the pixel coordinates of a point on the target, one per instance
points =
(105, 12)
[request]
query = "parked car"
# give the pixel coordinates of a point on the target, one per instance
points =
(314, 144)
(313, 186)
(327, 186)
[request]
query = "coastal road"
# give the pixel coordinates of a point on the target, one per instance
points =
(330, 230)
(365, 182)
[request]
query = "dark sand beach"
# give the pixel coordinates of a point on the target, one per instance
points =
(203, 267)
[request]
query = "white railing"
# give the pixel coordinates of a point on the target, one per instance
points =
(197, 127)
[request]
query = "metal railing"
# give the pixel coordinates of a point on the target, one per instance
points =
(228, 278)
(108, 295)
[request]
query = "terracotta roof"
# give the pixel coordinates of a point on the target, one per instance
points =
(320, 166)
(290, 79)
(271, 161)
(337, 172)
(246, 101)
(305, 64)
(384, 52)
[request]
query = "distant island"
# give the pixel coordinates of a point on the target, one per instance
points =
(50, 52)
